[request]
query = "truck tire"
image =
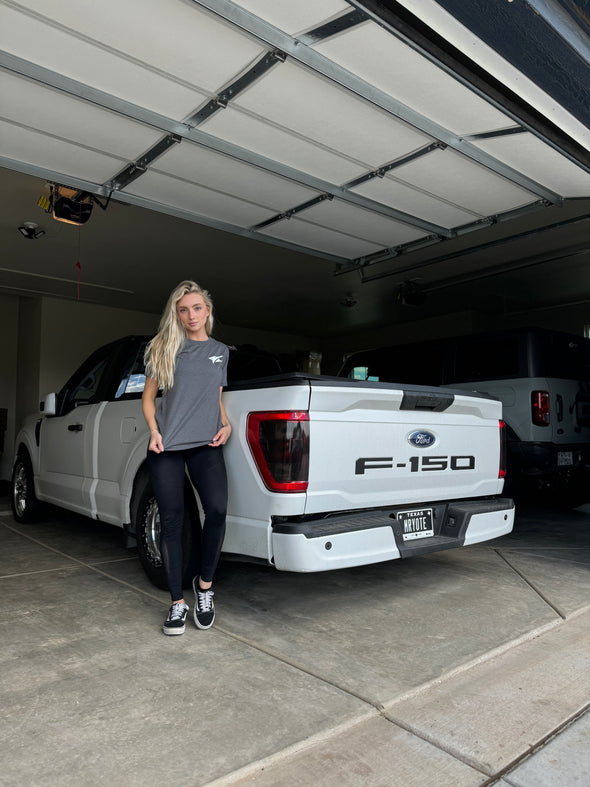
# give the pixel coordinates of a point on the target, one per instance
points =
(25, 506)
(145, 521)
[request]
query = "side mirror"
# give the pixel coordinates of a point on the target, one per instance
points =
(49, 405)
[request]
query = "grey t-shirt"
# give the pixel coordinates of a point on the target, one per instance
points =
(189, 415)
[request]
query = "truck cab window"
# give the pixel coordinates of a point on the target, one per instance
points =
(133, 377)
(87, 389)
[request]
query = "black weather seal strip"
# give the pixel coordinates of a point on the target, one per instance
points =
(352, 19)
(222, 99)
(503, 132)
(137, 168)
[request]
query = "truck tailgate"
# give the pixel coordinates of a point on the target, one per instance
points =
(376, 444)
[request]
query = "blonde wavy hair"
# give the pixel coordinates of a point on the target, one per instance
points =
(160, 353)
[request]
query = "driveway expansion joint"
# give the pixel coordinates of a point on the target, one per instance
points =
(535, 748)
(532, 585)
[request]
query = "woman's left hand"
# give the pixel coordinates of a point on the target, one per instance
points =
(221, 437)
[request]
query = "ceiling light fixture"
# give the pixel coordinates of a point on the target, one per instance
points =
(31, 231)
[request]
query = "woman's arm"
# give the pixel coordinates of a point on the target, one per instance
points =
(223, 434)
(148, 405)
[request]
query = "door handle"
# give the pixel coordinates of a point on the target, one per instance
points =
(75, 428)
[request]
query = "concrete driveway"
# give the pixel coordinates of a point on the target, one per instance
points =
(458, 668)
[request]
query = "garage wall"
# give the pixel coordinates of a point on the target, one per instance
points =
(8, 353)
(71, 330)
(27, 333)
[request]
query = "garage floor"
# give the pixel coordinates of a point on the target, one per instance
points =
(450, 669)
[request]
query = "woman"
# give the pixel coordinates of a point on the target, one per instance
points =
(187, 429)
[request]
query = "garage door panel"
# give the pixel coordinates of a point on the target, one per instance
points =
(72, 119)
(198, 200)
(456, 179)
(51, 153)
(214, 170)
(295, 17)
(282, 145)
(340, 216)
(322, 239)
(59, 51)
(540, 162)
(386, 62)
(198, 48)
(295, 98)
(400, 196)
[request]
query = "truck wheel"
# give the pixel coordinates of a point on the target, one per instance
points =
(25, 506)
(146, 522)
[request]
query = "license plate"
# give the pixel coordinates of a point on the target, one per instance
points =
(416, 524)
(565, 458)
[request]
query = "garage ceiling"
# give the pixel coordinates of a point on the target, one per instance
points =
(293, 157)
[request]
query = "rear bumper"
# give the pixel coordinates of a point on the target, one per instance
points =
(548, 459)
(361, 538)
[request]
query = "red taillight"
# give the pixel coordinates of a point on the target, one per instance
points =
(502, 467)
(279, 442)
(540, 407)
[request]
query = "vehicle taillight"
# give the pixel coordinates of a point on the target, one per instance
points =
(502, 467)
(279, 442)
(540, 407)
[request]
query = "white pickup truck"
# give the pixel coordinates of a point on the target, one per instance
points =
(324, 473)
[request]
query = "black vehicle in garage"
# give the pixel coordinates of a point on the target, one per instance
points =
(542, 378)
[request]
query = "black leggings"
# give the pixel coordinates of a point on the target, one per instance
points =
(206, 469)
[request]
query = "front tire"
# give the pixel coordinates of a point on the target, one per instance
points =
(145, 519)
(25, 506)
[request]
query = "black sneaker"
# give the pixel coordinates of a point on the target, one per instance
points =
(204, 611)
(174, 623)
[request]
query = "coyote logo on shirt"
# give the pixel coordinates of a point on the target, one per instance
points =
(216, 359)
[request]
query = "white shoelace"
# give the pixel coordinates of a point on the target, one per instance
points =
(177, 611)
(205, 600)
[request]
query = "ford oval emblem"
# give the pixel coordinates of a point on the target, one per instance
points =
(422, 439)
